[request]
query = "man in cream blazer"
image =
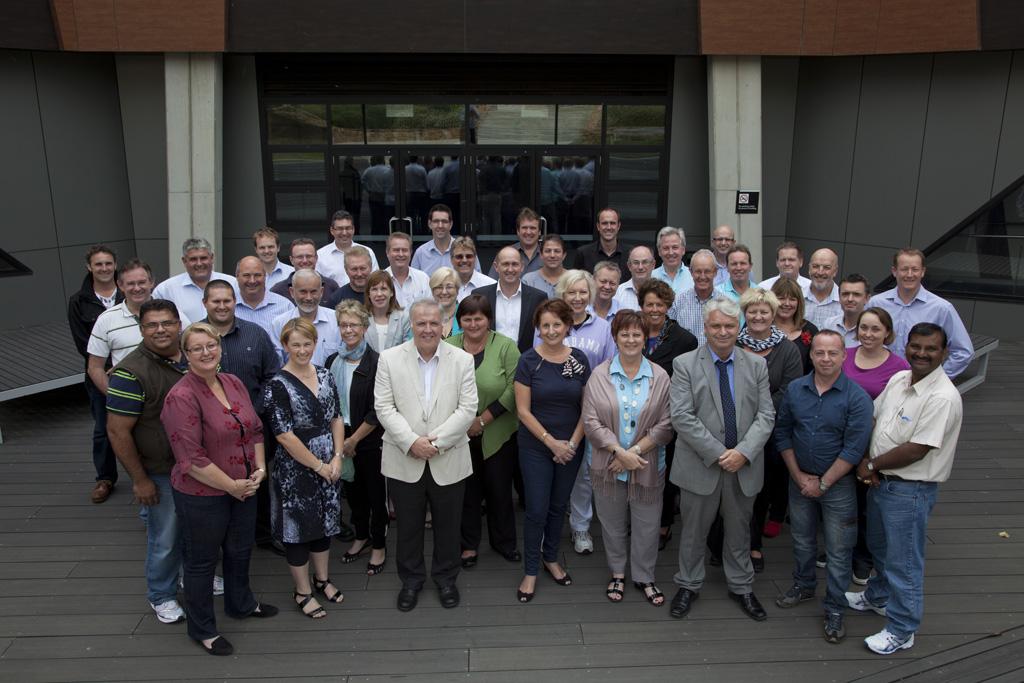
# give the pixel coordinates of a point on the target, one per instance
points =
(723, 415)
(425, 398)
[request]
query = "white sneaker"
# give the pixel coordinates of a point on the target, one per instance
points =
(218, 584)
(169, 612)
(582, 543)
(885, 643)
(859, 602)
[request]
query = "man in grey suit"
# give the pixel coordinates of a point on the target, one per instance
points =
(425, 398)
(723, 415)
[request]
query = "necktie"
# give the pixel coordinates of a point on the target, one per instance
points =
(728, 405)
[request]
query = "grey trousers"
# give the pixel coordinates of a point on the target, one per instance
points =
(698, 513)
(642, 522)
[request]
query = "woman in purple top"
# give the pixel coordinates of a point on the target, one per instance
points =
(870, 364)
(217, 441)
(589, 333)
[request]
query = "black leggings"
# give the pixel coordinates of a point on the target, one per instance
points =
(297, 554)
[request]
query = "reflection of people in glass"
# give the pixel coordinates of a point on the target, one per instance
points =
(450, 190)
(491, 183)
(416, 193)
(379, 183)
(434, 177)
(550, 195)
(351, 188)
(583, 203)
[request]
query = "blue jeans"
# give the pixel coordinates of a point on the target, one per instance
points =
(838, 508)
(547, 486)
(209, 525)
(163, 549)
(897, 525)
(103, 458)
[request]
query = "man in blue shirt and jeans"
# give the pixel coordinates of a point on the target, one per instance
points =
(822, 431)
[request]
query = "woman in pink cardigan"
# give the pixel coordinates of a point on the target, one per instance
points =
(626, 420)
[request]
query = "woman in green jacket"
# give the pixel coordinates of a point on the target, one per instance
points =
(491, 436)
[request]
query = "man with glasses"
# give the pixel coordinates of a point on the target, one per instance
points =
(438, 251)
(135, 397)
(464, 261)
(641, 263)
(303, 255)
(722, 240)
(331, 257)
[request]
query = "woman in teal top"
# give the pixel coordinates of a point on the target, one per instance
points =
(491, 434)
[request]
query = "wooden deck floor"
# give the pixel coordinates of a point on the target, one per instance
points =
(72, 594)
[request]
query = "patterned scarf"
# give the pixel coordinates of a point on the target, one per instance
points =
(748, 342)
(345, 354)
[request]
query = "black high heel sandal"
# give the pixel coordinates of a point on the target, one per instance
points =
(322, 587)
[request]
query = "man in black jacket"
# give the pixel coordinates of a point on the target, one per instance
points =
(513, 302)
(98, 293)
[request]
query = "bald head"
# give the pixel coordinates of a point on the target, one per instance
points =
(641, 263)
(823, 268)
(703, 270)
(723, 238)
(510, 268)
(252, 279)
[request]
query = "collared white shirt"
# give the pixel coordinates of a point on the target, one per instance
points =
(507, 312)
(836, 324)
(928, 413)
(478, 279)
(264, 313)
(279, 273)
(680, 283)
(428, 371)
(416, 287)
(626, 296)
(116, 333)
(187, 295)
(819, 312)
(328, 339)
(330, 261)
(766, 285)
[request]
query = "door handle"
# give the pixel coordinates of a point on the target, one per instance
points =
(543, 226)
(391, 222)
(407, 218)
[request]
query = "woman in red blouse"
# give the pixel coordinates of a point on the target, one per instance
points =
(217, 441)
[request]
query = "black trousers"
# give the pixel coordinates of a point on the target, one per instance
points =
(773, 499)
(861, 554)
(671, 492)
(491, 481)
(368, 494)
(411, 502)
(263, 533)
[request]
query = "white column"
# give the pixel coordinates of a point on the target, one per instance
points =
(734, 138)
(193, 86)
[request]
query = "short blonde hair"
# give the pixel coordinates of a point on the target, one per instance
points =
(756, 295)
(298, 326)
(199, 328)
(441, 275)
(571, 277)
(353, 308)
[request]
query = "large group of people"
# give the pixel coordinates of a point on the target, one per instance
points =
(244, 409)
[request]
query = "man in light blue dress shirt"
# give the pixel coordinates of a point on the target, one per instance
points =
(256, 304)
(186, 289)
(671, 244)
(267, 243)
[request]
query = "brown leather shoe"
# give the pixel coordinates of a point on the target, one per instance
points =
(102, 491)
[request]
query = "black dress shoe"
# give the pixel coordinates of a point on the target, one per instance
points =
(449, 596)
(715, 560)
(682, 602)
(347, 534)
(758, 563)
(407, 598)
(470, 562)
(514, 556)
(750, 605)
(220, 647)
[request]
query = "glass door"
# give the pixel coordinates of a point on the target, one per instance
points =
(502, 183)
(368, 190)
(429, 177)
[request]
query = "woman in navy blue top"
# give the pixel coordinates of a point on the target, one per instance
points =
(549, 393)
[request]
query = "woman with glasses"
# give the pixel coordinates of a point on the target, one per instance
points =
(444, 287)
(217, 440)
(390, 324)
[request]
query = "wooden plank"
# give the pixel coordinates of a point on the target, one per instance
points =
(47, 627)
(985, 648)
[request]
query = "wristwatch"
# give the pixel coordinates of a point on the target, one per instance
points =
(481, 421)
(871, 466)
(822, 486)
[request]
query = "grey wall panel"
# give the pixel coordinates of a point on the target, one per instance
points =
(874, 263)
(688, 155)
(24, 183)
(153, 252)
(823, 143)
(81, 121)
(244, 208)
(44, 289)
(140, 86)
(890, 132)
(965, 111)
(997, 318)
(234, 249)
(779, 79)
(1010, 159)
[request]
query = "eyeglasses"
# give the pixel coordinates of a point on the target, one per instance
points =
(463, 257)
(162, 324)
(444, 288)
(209, 348)
(349, 326)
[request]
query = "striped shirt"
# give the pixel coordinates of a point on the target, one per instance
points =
(280, 273)
(125, 396)
(688, 311)
(265, 311)
(116, 333)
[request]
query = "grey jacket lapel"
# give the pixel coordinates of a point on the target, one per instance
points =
(707, 363)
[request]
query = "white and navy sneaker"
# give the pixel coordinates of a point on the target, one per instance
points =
(885, 643)
(169, 612)
(582, 542)
(859, 602)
